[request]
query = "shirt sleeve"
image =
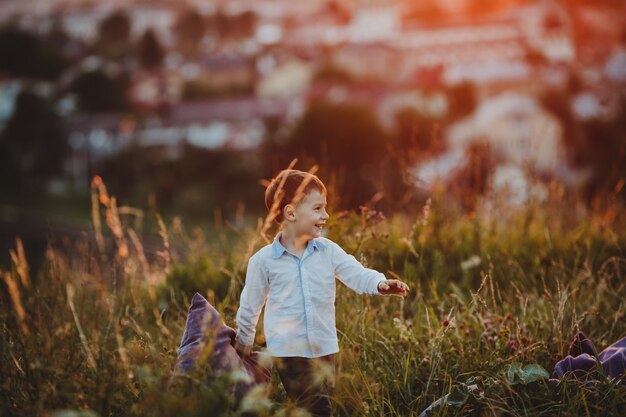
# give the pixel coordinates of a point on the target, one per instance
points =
(252, 299)
(350, 271)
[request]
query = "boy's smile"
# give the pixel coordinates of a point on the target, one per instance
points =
(310, 215)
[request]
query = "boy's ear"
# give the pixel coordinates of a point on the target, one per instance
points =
(289, 212)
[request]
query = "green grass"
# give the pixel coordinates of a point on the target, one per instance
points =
(95, 332)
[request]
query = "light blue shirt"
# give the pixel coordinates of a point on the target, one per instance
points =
(299, 296)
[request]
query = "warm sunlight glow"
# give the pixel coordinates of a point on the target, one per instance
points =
(318, 207)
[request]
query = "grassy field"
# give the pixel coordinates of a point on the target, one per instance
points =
(495, 301)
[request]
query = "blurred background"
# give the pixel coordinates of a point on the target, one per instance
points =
(185, 107)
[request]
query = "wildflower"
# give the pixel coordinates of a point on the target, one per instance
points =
(403, 330)
(445, 323)
(472, 262)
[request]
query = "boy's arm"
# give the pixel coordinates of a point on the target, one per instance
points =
(364, 280)
(350, 271)
(251, 303)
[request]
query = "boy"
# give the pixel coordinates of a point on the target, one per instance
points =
(294, 277)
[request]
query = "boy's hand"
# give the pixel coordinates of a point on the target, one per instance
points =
(393, 286)
(242, 350)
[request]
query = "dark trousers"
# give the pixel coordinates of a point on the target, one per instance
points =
(308, 382)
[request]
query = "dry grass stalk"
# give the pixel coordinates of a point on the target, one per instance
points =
(132, 211)
(21, 265)
(165, 254)
(14, 292)
(97, 189)
(17, 364)
(121, 350)
(143, 261)
(113, 221)
(83, 339)
(159, 323)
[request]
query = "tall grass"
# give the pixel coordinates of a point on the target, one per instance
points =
(95, 331)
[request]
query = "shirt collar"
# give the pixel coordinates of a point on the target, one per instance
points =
(278, 249)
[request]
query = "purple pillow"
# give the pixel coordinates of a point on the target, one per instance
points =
(577, 367)
(583, 360)
(204, 323)
(613, 360)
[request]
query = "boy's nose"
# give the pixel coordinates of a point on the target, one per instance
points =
(324, 215)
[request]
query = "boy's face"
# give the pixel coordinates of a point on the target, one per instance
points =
(309, 215)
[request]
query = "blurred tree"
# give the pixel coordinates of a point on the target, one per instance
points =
(190, 28)
(332, 74)
(238, 26)
(596, 144)
(33, 145)
(604, 150)
(471, 180)
(57, 33)
(114, 37)
(99, 92)
(534, 57)
(244, 24)
(151, 53)
(416, 136)
(115, 27)
(28, 55)
(462, 100)
(195, 180)
(557, 102)
(347, 142)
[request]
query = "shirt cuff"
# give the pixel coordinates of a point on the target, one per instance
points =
(244, 340)
(376, 291)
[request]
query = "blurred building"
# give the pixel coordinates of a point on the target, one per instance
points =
(155, 90)
(236, 124)
(224, 71)
(524, 144)
(391, 54)
(290, 78)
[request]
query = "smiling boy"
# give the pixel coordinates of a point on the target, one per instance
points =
(294, 277)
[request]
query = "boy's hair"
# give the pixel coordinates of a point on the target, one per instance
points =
(289, 187)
